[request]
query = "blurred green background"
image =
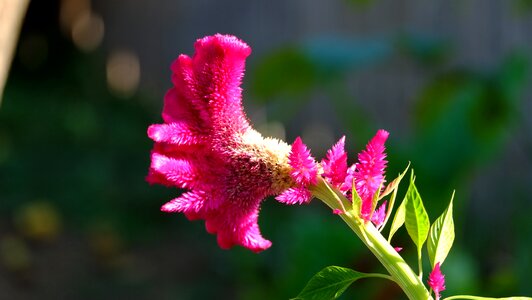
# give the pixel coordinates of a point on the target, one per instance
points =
(449, 79)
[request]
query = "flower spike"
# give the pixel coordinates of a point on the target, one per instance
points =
(437, 281)
(368, 172)
(304, 167)
(335, 164)
(379, 215)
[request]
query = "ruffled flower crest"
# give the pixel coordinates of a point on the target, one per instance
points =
(207, 146)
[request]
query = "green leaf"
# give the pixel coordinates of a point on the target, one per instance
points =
(398, 220)
(375, 200)
(416, 218)
(393, 186)
(355, 199)
(331, 282)
(441, 236)
(485, 298)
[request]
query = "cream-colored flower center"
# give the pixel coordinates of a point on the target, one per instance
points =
(274, 154)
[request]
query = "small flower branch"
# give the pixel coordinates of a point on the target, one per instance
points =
(399, 270)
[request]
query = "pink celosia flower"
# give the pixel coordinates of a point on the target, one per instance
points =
(335, 164)
(437, 281)
(304, 168)
(295, 195)
(304, 172)
(398, 249)
(368, 173)
(379, 215)
(206, 145)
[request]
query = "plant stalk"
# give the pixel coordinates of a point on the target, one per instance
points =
(402, 274)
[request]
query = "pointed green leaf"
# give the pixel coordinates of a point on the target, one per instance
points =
(356, 201)
(375, 200)
(416, 218)
(331, 282)
(395, 187)
(485, 298)
(441, 236)
(398, 220)
(392, 186)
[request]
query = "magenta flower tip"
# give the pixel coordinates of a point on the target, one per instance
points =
(337, 211)
(368, 172)
(304, 167)
(295, 195)
(335, 164)
(398, 249)
(437, 280)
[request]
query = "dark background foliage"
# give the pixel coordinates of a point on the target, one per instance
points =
(449, 79)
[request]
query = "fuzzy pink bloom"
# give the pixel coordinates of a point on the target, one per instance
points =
(206, 145)
(335, 164)
(295, 195)
(398, 249)
(304, 171)
(304, 167)
(437, 281)
(379, 215)
(368, 173)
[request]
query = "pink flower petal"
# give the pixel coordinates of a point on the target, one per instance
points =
(179, 133)
(187, 202)
(304, 167)
(237, 227)
(171, 171)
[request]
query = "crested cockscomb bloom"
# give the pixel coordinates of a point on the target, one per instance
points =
(207, 146)
(436, 281)
(335, 164)
(304, 172)
(368, 172)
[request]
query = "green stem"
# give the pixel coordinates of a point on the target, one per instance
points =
(419, 264)
(484, 298)
(401, 273)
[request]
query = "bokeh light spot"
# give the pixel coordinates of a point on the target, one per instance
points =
(88, 31)
(123, 73)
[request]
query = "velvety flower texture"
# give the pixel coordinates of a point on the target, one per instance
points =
(436, 281)
(206, 145)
